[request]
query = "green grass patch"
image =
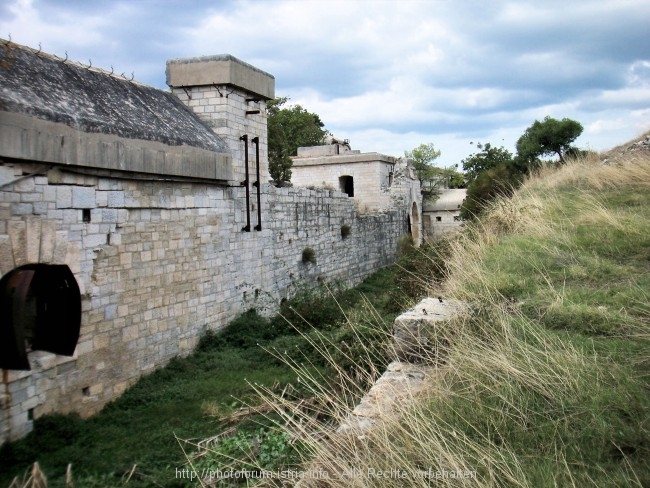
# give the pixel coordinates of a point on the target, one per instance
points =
(550, 379)
(187, 398)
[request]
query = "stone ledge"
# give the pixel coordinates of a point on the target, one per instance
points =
(409, 341)
(403, 381)
(28, 138)
(394, 390)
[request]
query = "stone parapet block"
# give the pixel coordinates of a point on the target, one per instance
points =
(409, 340)
(396, 389)
(222, 69)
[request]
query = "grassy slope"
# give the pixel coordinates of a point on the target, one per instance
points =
(547, 384)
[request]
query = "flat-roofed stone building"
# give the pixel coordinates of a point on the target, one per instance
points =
(372, 179)
(441, 214)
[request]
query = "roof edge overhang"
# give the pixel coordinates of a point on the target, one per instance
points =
(372, 157)
(28, 138)
(222, 69)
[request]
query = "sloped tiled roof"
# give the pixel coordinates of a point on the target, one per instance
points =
(95, 101)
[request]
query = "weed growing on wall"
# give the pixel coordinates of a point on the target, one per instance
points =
(308, 255)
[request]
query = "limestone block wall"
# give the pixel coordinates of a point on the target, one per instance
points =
(225, 109)
(440, 223)
(160, 262)
(371, 180)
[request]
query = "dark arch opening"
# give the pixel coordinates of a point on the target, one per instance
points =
(346, 184)
(40, 309)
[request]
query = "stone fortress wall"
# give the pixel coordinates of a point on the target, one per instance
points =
(160, 259)
(158, 264)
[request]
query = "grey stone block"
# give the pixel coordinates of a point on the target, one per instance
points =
(22, 208)
(83, 197)
(409, 340)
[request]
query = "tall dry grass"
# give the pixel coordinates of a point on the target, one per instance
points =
(504, 376)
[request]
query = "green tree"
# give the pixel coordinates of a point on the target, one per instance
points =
(488, 157)
(500, 180)
(440, 178)
(491, 172)
(451, 177)
(422, 157)
(288, 129)
(551, 136)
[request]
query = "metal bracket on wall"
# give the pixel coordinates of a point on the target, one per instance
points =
(256, 141)
(247, 227)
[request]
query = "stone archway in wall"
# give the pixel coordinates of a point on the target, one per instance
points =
(416, 224)
(40, 309)
(40, 298)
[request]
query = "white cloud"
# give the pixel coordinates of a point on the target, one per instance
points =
(395, 74)
(29, 27)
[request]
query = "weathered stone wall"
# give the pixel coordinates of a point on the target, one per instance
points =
(160, 262)
(440, 223)
(381, 182)
(371, 173)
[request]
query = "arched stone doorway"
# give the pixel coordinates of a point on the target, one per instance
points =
(40, 309)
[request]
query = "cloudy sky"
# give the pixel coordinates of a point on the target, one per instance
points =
(388, 75)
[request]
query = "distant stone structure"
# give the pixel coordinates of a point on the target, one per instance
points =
(375, 181)
(133, 219)
(441, 214)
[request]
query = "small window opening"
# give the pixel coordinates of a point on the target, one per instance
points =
(346, 185)
(30, 414)
(85, 215)
(438, 219)
(390, 179)
(85, 391)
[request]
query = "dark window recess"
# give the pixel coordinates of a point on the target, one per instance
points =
(40, 309)
(346, 185)
(438, 219)
(85, 215)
